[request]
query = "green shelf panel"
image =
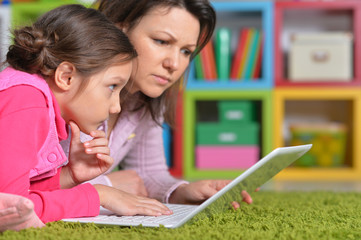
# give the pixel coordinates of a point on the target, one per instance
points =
(190, 118)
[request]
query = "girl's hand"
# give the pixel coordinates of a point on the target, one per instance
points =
(86, 160)
(127, 204)
(198, 192)
(128, 181)
(17, 212)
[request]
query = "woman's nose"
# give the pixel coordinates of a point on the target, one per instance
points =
(171, 62)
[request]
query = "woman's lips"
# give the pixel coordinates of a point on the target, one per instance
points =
(161, 80)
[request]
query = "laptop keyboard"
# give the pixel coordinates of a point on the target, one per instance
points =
(179, 211)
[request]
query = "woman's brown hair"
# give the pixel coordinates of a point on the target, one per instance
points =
(72, 33)
(130, 12)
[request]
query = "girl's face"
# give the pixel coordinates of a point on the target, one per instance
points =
(164, 40)
(100, 97)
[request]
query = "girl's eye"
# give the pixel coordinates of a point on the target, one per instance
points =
(111, 87)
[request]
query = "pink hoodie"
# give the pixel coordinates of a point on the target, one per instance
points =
(31, 127)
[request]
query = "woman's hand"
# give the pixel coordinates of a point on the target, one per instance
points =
(86, 160)
(17, 212)
(128, 181)
(127, 204)
(199, 191)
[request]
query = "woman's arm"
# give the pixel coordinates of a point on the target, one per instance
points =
(146, 157)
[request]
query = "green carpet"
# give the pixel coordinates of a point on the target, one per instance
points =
(273, 215)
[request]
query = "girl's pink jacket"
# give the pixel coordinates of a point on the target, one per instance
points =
(31, 127)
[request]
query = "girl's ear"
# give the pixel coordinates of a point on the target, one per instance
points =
(64, 75)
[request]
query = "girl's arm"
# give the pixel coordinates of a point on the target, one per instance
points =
(24, 126)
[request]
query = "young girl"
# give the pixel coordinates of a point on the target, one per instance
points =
(67, 68)
(167, 34)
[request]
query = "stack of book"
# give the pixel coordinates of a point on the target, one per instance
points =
(217, 62)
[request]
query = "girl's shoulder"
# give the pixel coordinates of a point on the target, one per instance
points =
(21, 97)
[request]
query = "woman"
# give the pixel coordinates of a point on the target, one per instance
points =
(167, 34)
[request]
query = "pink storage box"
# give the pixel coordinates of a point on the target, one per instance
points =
(226, 157)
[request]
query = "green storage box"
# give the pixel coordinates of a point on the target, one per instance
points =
(236, 111)
(227, 134)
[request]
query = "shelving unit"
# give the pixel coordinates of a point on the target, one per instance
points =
(236, 15)
(329, 101)
(315, 16)
(346, 102)
(200, 92)
(262, 97)
(279, 100)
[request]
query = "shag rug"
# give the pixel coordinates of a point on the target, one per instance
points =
(273, 215)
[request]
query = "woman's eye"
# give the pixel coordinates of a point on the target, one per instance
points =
(186, 52)
(160, 41)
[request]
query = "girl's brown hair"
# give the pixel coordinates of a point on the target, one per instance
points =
(72, 33)
(130, 12)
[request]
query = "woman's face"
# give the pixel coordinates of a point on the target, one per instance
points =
(164, 40)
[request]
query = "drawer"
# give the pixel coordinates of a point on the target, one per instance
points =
(226, 157)
(227, 134)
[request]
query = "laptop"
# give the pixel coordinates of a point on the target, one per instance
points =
(249, 180)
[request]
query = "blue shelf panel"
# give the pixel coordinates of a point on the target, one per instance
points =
(167, 142)
(266, 81)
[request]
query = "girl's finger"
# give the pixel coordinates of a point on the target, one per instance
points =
(153, 205)
(98, 134)
(105, 159)
(97, 142)
(75, 132)
(96, 150)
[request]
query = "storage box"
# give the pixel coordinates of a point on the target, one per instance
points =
(329, 143)
(321, 57)
(227, 134)
(226, 157)
(236, 111)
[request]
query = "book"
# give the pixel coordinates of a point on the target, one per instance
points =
(254, 45)
(236, 61)
(223, 53)
(198, 67)
(258, 65)
(208, 62)
(245, 55)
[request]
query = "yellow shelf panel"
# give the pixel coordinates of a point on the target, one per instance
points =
(282, 95)
(319, 174)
